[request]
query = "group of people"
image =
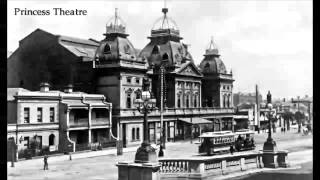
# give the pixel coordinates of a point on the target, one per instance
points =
(283, 130)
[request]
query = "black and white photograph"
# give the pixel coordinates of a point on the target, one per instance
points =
(159, 90)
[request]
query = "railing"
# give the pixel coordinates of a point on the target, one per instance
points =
(100, 121)
(174, 166)
(180, 111)
(79, 123)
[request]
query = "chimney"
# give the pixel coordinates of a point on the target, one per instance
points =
(68, 88)
(44, 87)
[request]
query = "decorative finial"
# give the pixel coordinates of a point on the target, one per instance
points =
(165, 9)
(211, 43)
(116, 12)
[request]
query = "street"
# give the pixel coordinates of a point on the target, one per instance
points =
(103, 167)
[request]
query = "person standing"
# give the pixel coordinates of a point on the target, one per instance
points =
(45, 159)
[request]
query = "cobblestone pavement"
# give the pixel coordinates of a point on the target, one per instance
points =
(103, 167)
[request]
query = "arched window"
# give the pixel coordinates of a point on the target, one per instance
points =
(165, 57)
(224, 100)
(155, 50)
(133, 134)
(107, 49)
(179, 100)
(229, 99)
(128, 100)
(51, 139)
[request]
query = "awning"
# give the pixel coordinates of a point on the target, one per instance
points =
(195, 120)
(74, 103)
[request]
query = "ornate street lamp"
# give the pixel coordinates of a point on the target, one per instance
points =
(145, 153)
(270, 144)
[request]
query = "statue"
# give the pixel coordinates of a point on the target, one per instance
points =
(268, 97)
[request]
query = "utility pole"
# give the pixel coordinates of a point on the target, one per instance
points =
(258, 108)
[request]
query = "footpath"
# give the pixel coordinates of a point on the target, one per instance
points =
(83, 154)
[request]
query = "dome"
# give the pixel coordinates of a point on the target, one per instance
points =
(212, 62)
(165, 22)
(213, 65)
(115, 48)
(115, 24)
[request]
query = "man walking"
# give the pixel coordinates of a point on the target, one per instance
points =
(45, 159)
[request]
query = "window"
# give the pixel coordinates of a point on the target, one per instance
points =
(138, 134)
(26, 141)
(39, 115)
(51, 114)
(187, 101)
(165, 57)
(133, 134)
(128, 100)
(195, 101)
(138, 80)
(126, 49)
(39, 139)
(128, 79)
(179, 100)
(155, 50)
(26, 115)
(51, 139)
(107, 49)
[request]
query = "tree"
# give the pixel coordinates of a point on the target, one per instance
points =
(287, 116)
(299, 117)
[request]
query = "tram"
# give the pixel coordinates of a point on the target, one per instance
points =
(221, 141)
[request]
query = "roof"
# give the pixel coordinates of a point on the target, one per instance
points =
(195, 120)
(11, 92)
(183, 69)
(217, 134)
(79, 47)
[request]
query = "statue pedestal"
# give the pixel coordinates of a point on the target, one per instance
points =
(269, 156)
(138, 171)
(146, 154)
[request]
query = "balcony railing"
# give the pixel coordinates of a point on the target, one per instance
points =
(181, 111)
(100, 121)
(79, 123)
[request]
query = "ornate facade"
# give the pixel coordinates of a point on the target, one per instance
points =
(115, 68)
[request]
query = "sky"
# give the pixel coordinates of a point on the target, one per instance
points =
(264, 42)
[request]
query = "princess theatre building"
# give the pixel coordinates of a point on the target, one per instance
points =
(197, 98)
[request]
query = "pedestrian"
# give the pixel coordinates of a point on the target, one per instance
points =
(45, 159)
(161, 151)
(231, 150)
(284, 130)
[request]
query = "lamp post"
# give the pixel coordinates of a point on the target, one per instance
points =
(270, 144)
(145, 105)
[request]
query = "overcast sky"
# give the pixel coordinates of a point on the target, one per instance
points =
(264, 42)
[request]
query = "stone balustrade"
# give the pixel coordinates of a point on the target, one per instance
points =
(206, 167)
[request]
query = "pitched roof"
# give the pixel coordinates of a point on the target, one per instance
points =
(79, 47)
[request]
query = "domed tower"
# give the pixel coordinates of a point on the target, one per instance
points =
(166, 49)
(118, 69)
(165, 44)
(217, 82)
